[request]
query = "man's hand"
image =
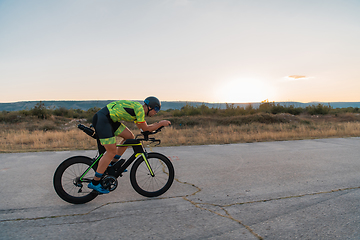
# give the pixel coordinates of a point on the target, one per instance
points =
(165, 123)
(153, 126)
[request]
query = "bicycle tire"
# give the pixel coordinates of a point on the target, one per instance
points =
(146, 185)
(65, 180)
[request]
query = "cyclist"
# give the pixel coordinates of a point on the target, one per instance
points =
(107, 125)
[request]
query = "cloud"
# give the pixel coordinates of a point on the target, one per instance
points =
(297, 77)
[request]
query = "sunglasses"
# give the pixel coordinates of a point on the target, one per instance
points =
(157, 109)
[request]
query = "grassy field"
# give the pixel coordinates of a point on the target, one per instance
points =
(56, 133)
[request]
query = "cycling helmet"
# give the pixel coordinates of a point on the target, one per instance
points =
(153, 103)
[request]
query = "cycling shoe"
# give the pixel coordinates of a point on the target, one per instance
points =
(98, 188)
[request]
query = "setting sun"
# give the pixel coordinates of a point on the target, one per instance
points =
(243, 91)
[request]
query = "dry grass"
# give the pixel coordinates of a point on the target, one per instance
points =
(24, 140)
(72, 139)
(258, 133)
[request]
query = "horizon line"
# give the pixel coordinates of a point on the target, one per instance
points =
(290, 101)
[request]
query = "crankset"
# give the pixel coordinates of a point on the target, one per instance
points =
(109, 182)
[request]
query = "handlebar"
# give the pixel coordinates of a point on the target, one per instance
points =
(146, 135)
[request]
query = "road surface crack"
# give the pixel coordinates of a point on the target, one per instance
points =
(226, 214)
(219, 210)
(202, 207)
(292, 196)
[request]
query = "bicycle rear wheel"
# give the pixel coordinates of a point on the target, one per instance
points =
(152, 186)
(67, 182)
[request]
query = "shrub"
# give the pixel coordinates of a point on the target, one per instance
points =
(278, 109)
(89, 114)
(318, 109)
(62, 111)
(9, 117)
(40, 111)
(267, 106)
(293, 110)
(189, 110)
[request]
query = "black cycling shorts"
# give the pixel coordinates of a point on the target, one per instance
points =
(105, 128)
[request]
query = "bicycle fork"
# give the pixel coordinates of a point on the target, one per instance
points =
(146, 162)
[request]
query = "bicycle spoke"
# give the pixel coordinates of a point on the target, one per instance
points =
(70, 175)
(146, 181)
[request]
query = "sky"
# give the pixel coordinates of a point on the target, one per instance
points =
(233, 51)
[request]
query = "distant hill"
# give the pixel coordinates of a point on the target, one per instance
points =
(85, 105)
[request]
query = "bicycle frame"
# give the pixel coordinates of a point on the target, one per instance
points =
(138, 152)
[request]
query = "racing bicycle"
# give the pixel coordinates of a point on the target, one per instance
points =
(151, 174)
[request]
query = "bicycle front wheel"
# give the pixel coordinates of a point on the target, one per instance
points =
(152, 186)
(67, 182)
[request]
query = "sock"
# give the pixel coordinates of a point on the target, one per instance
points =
(99, 175)
(94, 182)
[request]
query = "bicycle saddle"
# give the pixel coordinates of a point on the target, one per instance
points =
(131, 141)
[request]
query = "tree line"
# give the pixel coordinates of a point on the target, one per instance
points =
(40, 111)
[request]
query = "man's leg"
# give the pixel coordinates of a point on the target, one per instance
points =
(125, 134)
(106, 159)
(102, 166)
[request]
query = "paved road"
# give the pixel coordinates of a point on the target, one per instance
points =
(276, 190)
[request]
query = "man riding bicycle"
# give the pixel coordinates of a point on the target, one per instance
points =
(107, 125)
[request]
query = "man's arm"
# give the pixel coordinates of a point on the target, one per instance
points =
(145, 127)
